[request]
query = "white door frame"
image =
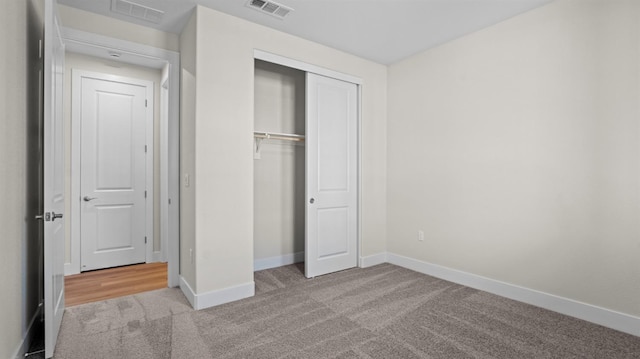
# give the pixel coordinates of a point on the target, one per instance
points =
(76, 149)
(306, 67)
(134, 53)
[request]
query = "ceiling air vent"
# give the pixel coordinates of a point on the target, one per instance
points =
(138, 11)
(270, 7)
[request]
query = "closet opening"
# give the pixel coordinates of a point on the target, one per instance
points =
(306, 160)
(279, 166)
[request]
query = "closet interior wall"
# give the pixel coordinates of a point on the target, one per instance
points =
(279, 166)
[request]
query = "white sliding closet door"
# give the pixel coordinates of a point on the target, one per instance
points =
(332, 183)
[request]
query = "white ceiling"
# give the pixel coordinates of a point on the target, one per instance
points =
(383, 31)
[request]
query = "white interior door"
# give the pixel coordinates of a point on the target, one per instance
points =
(332, 193)
(114, 118)
(53, 155)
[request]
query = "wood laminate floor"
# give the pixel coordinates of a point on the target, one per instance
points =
(114, 282)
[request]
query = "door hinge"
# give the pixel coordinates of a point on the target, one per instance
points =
(145, 193)
(145, 239)
(146, 103)
(145, 148)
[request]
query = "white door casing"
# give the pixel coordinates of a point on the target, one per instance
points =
(115, 115)
(331, 175)
(53, 155)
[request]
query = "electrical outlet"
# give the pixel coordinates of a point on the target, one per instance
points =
(421, 235)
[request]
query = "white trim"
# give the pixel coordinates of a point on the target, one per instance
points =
(216, 297)
(359, 174)
(27, 338)
(149, 161)
(164, 153)
(99, 45)
(188, 292)
(96, 44)
(76, 106)
(591, 313)
(278, 261)
(295, 64)
(226, 295)
(74, 265)
(373, 260)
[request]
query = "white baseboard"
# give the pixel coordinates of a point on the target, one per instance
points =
(279, 261)
(216, 297)
(598, 315)
(188, 292)
(27, 338)
(373, 260)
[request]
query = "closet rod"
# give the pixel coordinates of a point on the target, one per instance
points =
(278, 136)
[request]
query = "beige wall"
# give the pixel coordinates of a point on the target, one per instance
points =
(187, 153)
(12, 158)
(106, 26)
(516, 150)
(21, 24)
(224, 142)
(75, 61)
(279, 175)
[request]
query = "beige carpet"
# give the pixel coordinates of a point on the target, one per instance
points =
(379, 312)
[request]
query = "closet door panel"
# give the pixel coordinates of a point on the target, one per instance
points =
(333, 228)
(331, 155)
(333, 138)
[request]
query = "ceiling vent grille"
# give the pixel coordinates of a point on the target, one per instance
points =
(270, 7)
(138, 11)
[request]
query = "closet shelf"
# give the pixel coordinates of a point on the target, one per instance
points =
(278, 136)
(261, 136)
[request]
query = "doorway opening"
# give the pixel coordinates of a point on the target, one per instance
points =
(279, 166)
(121, 59)
(114, 124)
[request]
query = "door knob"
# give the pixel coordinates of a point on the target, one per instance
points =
(312, 200)
(49, 216)
(87, 198)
